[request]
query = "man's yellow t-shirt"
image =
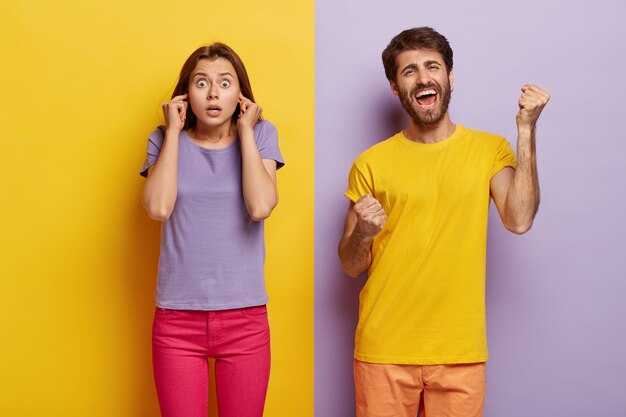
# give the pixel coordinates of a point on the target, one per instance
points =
(424, 299)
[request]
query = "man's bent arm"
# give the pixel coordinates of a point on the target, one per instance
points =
(518, 188)
(354, 247)
(516, 192)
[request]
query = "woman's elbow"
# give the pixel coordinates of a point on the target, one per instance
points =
(157, 212)
(260, 213)
(159, 215)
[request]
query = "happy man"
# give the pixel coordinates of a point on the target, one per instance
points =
(417, 222)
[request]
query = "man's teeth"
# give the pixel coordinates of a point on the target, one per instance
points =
(425, 93)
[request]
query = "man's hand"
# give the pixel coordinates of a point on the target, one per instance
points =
(365, 219)
(370, 215)
(531, 103)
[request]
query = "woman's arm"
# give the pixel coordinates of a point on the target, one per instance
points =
(160, 190)
(258, 175)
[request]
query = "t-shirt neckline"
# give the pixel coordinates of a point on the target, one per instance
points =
(458, 132)
(208, 150)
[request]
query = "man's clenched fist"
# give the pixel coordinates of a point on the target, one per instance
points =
(370, 215)
(531, 103)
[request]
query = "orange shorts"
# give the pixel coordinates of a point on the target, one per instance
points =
(435, 390)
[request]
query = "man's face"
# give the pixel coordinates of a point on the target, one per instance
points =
(423, 86)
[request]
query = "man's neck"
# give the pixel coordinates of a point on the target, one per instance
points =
(430, 134)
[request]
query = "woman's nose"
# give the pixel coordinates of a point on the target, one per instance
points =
(213, 91)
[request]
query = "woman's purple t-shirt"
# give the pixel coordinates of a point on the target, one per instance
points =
(212, 252)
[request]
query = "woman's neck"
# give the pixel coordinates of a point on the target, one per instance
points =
(213, 136)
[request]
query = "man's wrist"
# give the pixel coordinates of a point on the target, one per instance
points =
(526, 128)
(362, 236)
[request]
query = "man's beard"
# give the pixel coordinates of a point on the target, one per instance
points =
(433, 116)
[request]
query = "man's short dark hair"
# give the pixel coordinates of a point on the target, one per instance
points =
(412, 39)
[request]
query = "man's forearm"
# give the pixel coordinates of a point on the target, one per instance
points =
(355, 253)
(523, 197)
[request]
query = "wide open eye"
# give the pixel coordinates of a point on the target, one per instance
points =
(201, 83)
(225, 84)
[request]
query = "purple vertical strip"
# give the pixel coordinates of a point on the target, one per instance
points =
(555, 306)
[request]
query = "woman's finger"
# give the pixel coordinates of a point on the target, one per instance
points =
(180, 97)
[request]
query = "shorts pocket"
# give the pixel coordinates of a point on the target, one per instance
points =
(256, 311)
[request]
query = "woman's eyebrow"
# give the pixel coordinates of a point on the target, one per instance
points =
(204, 74)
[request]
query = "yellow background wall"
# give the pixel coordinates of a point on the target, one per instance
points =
(82, 84)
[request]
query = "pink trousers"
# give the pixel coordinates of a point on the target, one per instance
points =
(183, 340)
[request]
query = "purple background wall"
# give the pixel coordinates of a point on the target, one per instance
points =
(555, 297)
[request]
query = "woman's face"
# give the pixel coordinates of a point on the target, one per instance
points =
(213, 92)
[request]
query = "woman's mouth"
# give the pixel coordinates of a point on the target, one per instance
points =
(213, 110)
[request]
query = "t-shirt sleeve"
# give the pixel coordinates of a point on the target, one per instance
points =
(155, 141)
(266, 137)
(504, 158)
(359, 182)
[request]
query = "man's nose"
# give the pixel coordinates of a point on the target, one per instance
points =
(423, 76)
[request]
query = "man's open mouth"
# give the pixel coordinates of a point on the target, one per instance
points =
(426, 97)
